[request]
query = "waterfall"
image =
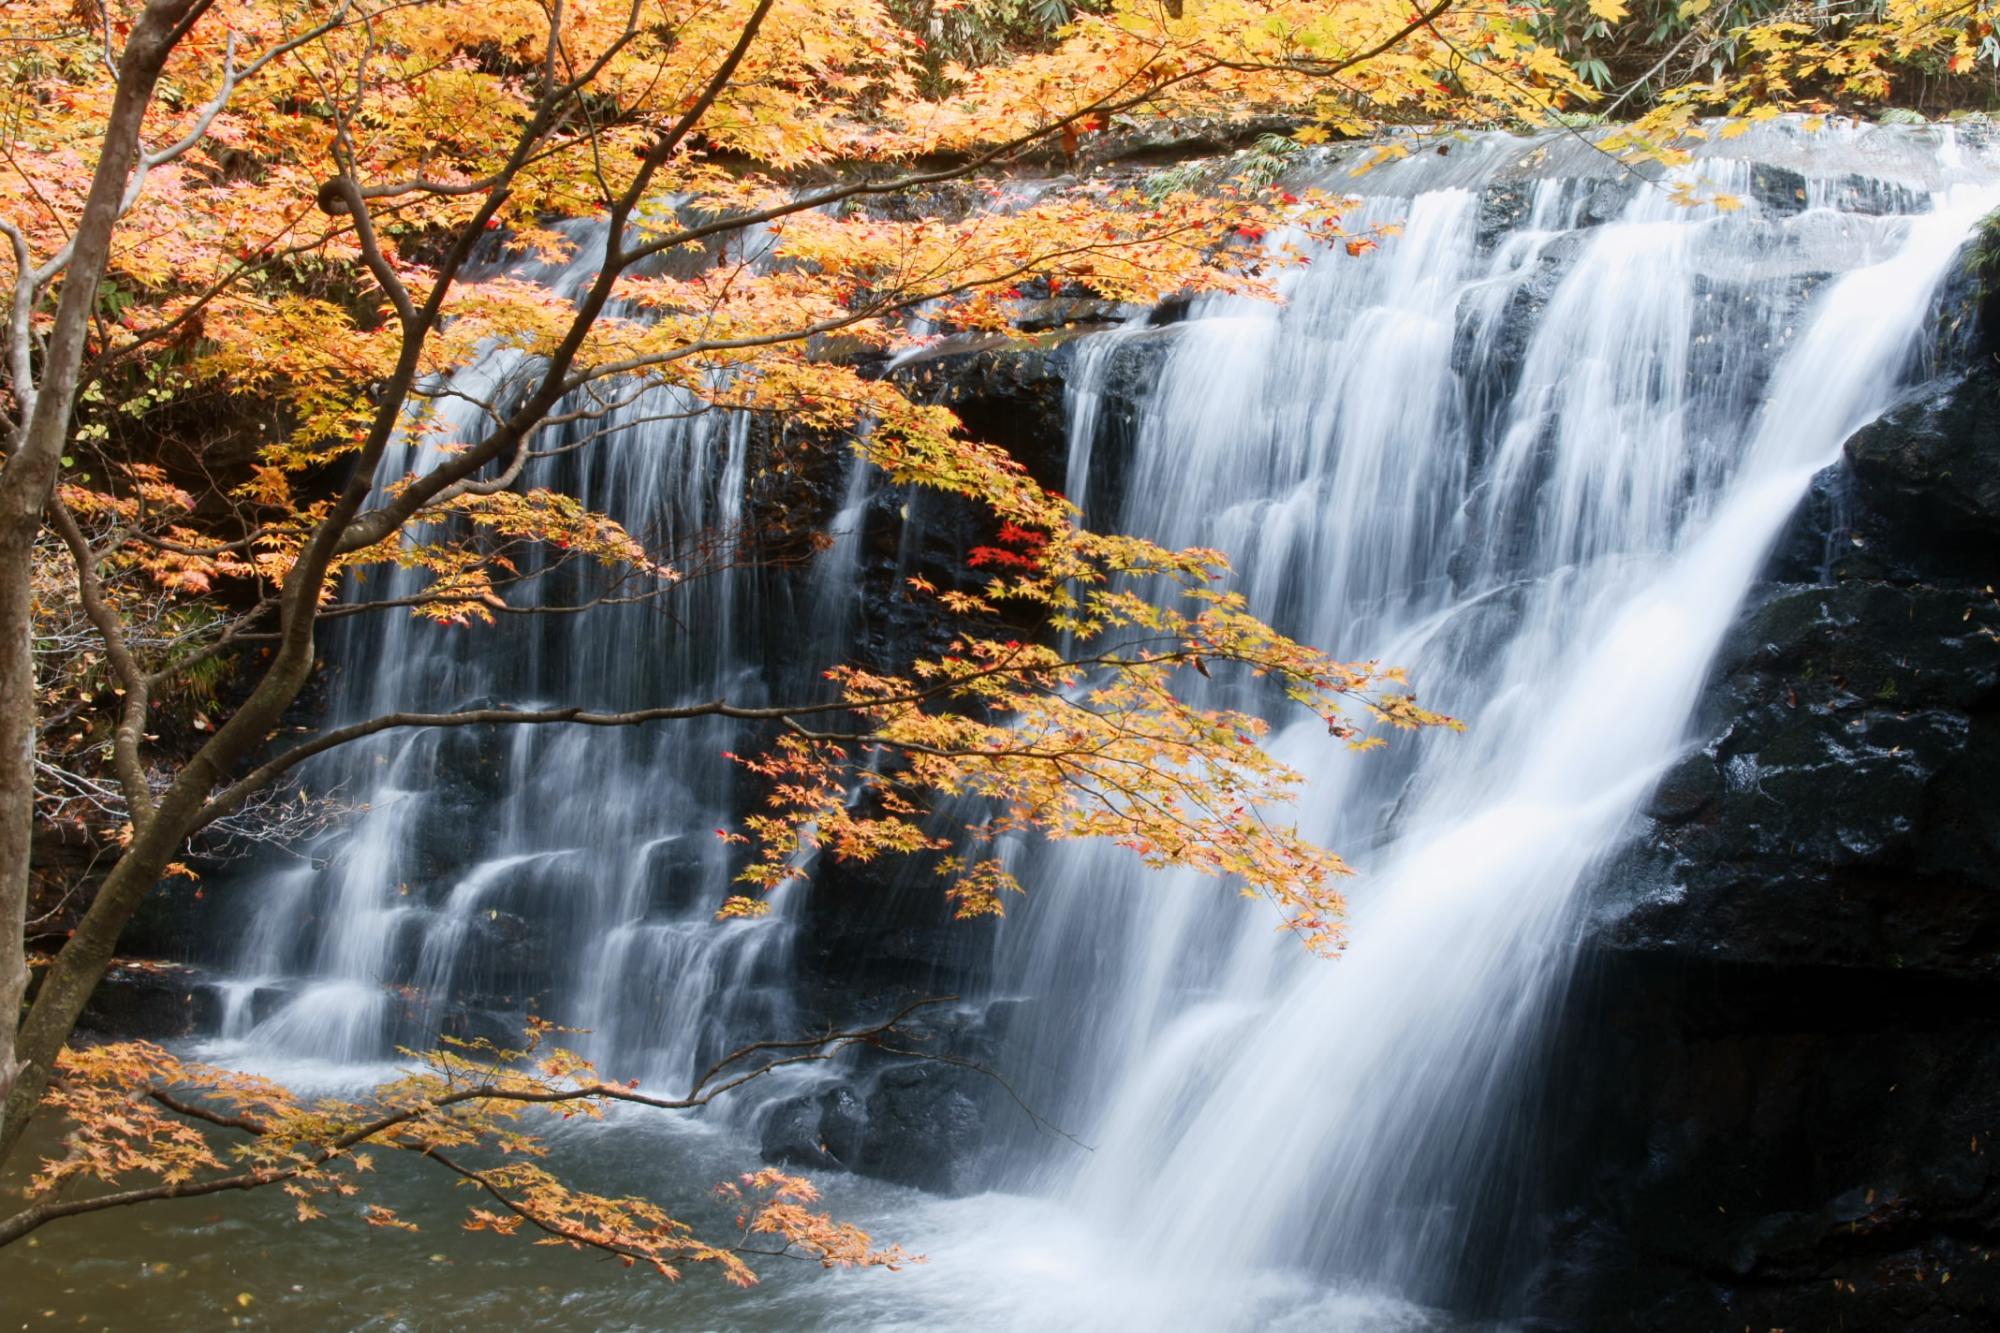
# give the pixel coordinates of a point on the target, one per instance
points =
(1534, 449)
(1540, 466)
(566, 872)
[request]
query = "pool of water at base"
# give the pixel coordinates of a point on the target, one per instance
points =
(993, 1262)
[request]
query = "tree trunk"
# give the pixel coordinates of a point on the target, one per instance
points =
(17, 775)
(25, 486)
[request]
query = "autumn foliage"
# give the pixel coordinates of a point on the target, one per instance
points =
(288, 211)
(163, 1129)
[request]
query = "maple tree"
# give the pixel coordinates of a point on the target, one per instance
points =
(287, 201)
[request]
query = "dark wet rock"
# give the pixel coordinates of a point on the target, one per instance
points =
(1837, 814)
(1491, 340)
(1730, 315)
(1173, 310)
(1503, 206)
(1964, 316)
(925, 1128)
(507, 956)
(1784, 1046)
(1932, 468)
(470, 764)
(919, 1110)
(826, 1128)
(1873, 196)
(675, 872)
(1608, 200)
(1008, 391)
(790, 1134)
(1778, 191)
(1013, 392)
(1080, 313)
(470, 1020)
(843, 1120)
(152, 1001)
(173, 922)
(914, 1123)
(1778, 1147)
(889, 932)
(1821, 531)
(264, 1001)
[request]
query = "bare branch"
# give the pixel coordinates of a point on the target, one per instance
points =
(137, 684)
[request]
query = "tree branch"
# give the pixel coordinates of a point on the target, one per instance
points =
(704, 1091)
(136, 682)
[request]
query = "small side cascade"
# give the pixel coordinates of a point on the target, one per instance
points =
(563, 872)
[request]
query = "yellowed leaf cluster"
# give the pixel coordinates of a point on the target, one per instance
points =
(1096, 740)
(1816, 61)
(138, 1117)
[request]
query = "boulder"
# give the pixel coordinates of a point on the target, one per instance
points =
(925, 1128)
(152, 1001)
(1932, 468)
(822, 1129)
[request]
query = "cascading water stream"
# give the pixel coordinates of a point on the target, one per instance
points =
(1552, 522)
(560, 871)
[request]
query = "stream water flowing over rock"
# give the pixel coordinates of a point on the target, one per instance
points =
(1570, 452)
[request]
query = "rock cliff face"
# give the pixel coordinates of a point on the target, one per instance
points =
(1775, 1095)
(1785, 1046)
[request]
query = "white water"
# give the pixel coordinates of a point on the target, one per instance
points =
(566, 872)
(1550, 517)
(1557, 570)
